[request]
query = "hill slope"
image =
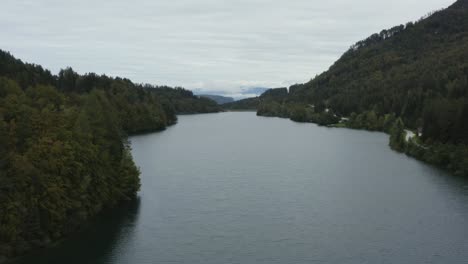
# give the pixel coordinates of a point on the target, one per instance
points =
(252, 103)
(417, 73)
(64, 155)
(218, 98)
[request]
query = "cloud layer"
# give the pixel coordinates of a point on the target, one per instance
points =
(208, 45)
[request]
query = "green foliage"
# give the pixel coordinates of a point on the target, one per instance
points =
(218, 98)
(418, 71)
(276, 94)
(269, 107)
(63, 163)
(243, 105)
(183, 101)
(64, 155)
(369, 120)
(446, 120)
(414, 75)
(297, 112)
(451, 157)
(397, 136)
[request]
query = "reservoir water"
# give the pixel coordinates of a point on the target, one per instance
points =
(237, 188)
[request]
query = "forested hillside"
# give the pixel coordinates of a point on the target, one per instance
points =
(63, 149)
(418, 71)
(243, 104)
(218, 98)
(411, 76)
(254, 102)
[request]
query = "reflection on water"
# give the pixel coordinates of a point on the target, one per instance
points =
(98, 243)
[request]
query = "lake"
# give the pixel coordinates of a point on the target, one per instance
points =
(237, 188)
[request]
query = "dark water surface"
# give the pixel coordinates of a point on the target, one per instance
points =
(236, 188)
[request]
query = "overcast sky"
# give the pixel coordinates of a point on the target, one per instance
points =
(213, 45)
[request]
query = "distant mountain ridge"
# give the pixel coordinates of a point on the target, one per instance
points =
(236, 94)
(218, 98)
(252, 103)
(254, 90)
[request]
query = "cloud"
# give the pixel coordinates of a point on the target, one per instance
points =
(205, 44)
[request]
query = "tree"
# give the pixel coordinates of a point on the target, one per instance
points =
(397, 136)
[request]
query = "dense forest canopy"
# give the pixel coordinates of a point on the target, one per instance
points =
(218, 98)
(418, 71)
(63, 150)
